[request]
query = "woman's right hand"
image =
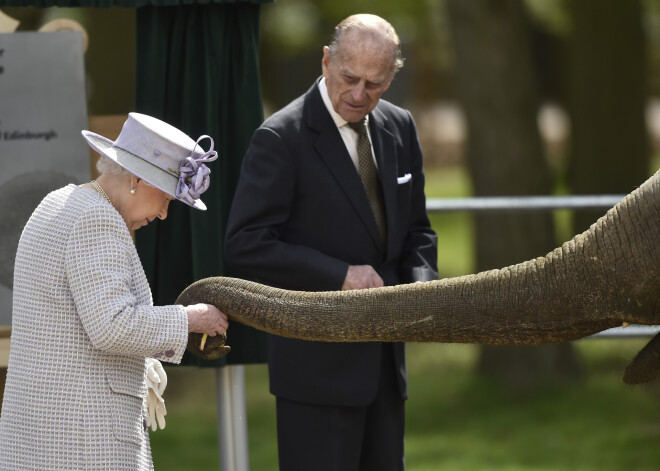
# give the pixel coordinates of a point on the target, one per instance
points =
(206, 319)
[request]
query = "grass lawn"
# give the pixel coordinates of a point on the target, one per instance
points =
(455, 420)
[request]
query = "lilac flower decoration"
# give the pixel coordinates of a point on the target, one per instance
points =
(194, 175)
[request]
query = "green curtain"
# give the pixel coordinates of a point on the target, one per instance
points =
(197, 68)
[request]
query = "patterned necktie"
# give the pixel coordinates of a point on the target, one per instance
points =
(369, 176)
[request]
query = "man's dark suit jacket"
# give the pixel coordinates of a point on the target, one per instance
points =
(300, 217)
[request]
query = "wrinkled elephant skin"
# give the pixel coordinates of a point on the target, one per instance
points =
(608, 275)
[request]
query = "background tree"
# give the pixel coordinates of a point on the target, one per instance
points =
(608, 97)
(497, 86)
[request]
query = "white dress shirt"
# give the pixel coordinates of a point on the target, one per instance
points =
(349, 136)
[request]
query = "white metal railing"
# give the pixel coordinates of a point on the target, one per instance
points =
(521, 203)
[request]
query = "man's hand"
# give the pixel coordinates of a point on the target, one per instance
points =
(362, 277)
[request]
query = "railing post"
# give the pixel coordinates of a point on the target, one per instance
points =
(232, 418)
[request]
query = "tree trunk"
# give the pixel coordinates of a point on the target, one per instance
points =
(608, 96)
(497, 85)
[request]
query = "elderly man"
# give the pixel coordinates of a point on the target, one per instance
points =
(331, 196)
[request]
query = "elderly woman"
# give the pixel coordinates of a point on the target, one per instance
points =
(84, 381)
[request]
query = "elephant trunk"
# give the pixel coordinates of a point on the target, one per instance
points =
(601, 278)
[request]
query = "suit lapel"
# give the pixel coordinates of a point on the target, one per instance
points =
(332, 151)
(384, 145)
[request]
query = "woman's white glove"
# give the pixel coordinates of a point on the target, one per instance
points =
(156, 383)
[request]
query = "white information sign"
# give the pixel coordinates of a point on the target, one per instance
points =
(42, 111)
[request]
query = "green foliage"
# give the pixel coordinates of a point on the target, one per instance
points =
(297, 29)
(552, 14)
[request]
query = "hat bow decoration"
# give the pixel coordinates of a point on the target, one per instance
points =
(193, 174)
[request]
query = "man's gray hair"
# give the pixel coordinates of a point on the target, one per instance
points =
(371, 24)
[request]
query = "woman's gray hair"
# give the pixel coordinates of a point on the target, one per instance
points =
(110, 167)
(371, 24)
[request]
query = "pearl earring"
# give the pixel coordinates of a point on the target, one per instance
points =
(132, 191)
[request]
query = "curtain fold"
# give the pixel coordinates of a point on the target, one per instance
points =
(197, 68)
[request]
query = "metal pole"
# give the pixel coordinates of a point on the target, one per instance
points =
(521, 203)
(232, 418)
(631, 331)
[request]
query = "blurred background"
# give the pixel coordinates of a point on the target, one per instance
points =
(511, 97)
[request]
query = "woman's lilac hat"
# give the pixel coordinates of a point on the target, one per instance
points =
(160, 154)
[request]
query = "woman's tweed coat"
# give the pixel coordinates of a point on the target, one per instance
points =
(83, 324)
